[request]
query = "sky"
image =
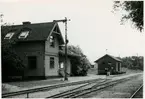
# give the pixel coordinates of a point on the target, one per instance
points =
(93, 26)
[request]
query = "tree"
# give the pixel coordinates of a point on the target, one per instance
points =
(134, 12)
(11, 62)
(80, 64)
(133, 62)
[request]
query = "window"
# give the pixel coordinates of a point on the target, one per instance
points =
(61, 65)
(52, 42)
(24, 34)
(92, 66)
(9, 35)
(109, 63)
(32, 62)
(51, 62)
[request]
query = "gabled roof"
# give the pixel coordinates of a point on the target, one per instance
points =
(38, 31)
(115, 58)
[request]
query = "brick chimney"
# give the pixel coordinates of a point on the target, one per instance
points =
(27, 22)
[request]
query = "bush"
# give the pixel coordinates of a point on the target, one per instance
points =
(80, 63)
(11, 63)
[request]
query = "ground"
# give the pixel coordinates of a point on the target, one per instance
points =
(122, 90)
(15, 86)
(139, 93)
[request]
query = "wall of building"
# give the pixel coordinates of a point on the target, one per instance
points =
(25, 49)
(118, 66)
(51, 71)
(96, 67)
(43, 51)
(68, 66)
(51, 52)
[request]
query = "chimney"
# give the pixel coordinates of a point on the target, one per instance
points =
(26, 23)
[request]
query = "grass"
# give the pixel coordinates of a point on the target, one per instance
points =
(9, 88)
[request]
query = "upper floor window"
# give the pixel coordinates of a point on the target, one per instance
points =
(109, 63)
(24, 34)
(52, 41)
(9, 35)
(52, 62)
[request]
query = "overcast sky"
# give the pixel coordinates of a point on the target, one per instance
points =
(93, 26)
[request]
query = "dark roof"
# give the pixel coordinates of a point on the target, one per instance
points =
(115, 58)
(69, 53)
(38, 31)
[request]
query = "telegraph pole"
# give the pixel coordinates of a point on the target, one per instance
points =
(66, 41)
(1, 16)
(1, 20)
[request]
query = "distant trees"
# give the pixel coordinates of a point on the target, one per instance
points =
(133, 62)
(80, 65)
(134, 12)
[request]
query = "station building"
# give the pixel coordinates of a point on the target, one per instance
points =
(40, 47)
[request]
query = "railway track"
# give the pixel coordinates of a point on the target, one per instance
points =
(65, 93)
(135, 93)
(46, 88)
(88, 88)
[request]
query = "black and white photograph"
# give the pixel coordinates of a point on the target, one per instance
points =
(72, 49)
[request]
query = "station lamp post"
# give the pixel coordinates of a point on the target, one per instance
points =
(66, 41)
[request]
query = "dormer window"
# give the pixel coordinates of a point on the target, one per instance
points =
(52, 42)
(9, 35)
(24, 34)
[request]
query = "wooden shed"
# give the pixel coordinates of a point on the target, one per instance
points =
(108, 63)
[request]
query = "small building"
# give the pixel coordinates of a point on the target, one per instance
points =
(108, 63)
(39, 46)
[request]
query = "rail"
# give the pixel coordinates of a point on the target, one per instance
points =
(32, 90)
(28, 91)
(81, 91)
(132, 96)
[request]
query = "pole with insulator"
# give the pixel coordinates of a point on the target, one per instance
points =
(66, 41)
